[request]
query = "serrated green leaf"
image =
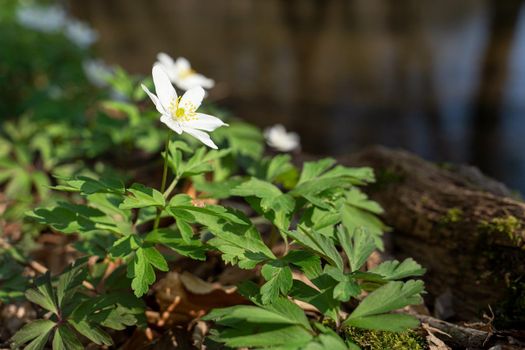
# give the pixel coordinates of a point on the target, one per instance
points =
(276, 324)
(319, 244)
(70, 280)
(389, 297)
(141, 197)
(92, 332)
(393, 270)
(279, 280)
(180, 200)
(346, 289)
(141, 269)
(311, 170)
(155, 258)
(321, 298)
(172, 239)
(73, 218)
(124, 246)
(43, 294)
(257, 188)
(355, 219)
(385, 322)
(309, 263)
(86, 185)
(185, 230)
(65, 339)
(358, 199)
(39, 342)
(357, 245)
(33, 331)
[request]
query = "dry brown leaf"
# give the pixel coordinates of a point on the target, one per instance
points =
(198, 286)
(184, 297)
(198, 335)
(434, 342)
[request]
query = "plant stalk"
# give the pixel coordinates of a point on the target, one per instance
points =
(164, 178)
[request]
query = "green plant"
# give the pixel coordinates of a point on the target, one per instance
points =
(306, 231)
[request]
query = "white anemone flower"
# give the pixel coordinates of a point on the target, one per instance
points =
(47, 19)
(277, 137)
(80, 33)
(180, 113)
(181, 74)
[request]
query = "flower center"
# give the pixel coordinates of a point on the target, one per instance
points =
(179, 113)
(186, 73)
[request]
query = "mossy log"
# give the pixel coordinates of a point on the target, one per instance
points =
(466, 229)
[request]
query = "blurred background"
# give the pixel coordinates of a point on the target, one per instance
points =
(444, 79)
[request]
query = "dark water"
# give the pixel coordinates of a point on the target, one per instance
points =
(445, 79)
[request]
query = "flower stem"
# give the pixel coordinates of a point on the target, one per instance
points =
(164, 178)
(171, 187)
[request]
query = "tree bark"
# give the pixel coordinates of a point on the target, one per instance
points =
(465, 228)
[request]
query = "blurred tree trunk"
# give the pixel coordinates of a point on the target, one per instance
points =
(488, 100)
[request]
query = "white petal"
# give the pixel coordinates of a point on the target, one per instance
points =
(172, 124)
(155, 100)
(165, 91)
(205, 122)
(165, 59)
(196, 80)
(192, 99)
(201, 136)
(182, 64)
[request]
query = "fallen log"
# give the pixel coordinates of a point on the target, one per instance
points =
(465, 228)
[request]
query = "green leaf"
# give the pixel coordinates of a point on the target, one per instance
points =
(257, 188)
(327, 340)
(142, 196)
(355, 219)
(279, 280)
(155, 258)
(385, 322)
(65, 339)
(389, 297)
(279, 323)
(309, 263)
(86, 185)
(141, 269)
(70, 280)
(199, 163)
(39, 342)
(43, 294)
(346, 289)
(73, 218)
(360, 200)
(319, 244)
(234, 235)
(36, 331)
(358, 246)
(125, 246)
(394, 270)
(92, 332)
(172, 239)
(312, 170)
(321, 298)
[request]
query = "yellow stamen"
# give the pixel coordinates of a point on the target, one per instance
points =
(180, 113)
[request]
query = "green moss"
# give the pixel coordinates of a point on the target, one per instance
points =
(508, 225)
(453, 215)
(381, 340)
